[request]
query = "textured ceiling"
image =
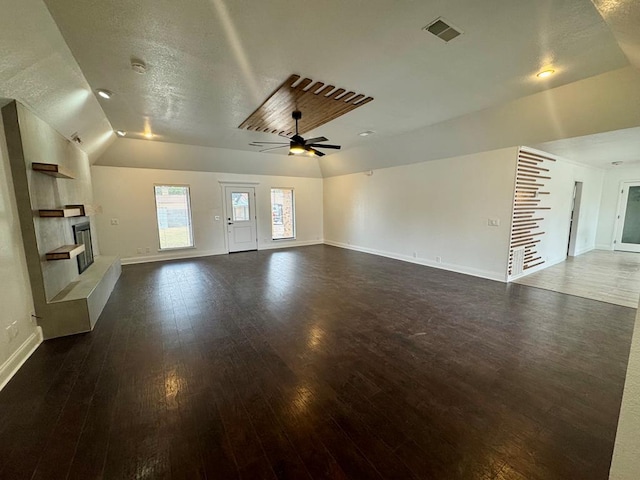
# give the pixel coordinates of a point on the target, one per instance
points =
(37, 69)
(600, 149)
(212, 62)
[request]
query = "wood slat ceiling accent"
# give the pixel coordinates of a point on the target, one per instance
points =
(318, 103)
(526, 205)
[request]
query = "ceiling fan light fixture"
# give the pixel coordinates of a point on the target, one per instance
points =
(297, 149)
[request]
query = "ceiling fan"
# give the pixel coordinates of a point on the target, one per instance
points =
(298, 145)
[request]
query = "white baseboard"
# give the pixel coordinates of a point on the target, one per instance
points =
(584, 250)
(178, 255)
(184, 254)
(289, 243)
(9, 368)
(546, 264)
(498, 277)
(604, 246)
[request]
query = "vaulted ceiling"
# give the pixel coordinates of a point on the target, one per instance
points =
(212, 62)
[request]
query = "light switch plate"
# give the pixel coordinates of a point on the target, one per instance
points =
(493, 222)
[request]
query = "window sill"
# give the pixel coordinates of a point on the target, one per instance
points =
(176, 248)
(281, 239)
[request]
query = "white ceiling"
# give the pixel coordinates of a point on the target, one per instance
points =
(212, 62)
(37, 68)
(600, 149)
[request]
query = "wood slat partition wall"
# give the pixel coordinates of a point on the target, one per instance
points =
(529, 208)
(318, 103)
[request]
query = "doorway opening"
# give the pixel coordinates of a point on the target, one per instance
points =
(573, 220)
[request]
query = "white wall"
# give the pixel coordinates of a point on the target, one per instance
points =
(130, 152)
(609, 204)
(127, 194)
(625, 464)
(553, 244)
(433, 209)
(15, 292)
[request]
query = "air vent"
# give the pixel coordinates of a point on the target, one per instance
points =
(443, 29)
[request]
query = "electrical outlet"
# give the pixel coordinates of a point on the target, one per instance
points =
(148, 250)
(438, 259)
(493, 222)
(415, 254)
(115, 221)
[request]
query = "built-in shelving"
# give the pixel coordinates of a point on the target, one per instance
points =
(52, 169)
(61, 212)
(86, 210)
(65, 252)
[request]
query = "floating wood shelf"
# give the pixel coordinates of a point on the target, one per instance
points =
(52, 169)
(65, 252)
(61, 212)
(87, 210)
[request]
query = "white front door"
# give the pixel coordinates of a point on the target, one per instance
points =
(628, 222)
(241, 218)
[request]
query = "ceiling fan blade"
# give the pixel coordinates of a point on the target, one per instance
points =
(315, 140)
(321, 145)
(273, 148)
(257, 144)
(317, 153)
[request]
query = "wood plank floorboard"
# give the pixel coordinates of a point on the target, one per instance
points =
(612, 277)
(323, 363)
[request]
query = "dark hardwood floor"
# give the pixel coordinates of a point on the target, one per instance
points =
(319, 362)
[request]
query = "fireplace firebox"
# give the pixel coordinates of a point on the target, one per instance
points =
(82, 235)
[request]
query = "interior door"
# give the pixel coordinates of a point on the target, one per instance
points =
(628, 231)
(241, 218)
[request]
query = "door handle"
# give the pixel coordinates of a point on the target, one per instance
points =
(229, 223)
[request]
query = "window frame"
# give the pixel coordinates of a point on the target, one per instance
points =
(293, 208)
(189, 216)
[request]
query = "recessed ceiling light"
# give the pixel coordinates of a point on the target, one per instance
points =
(104, 93)
(121, 133)
(545, 73)
(367, 133)
(615, 164)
